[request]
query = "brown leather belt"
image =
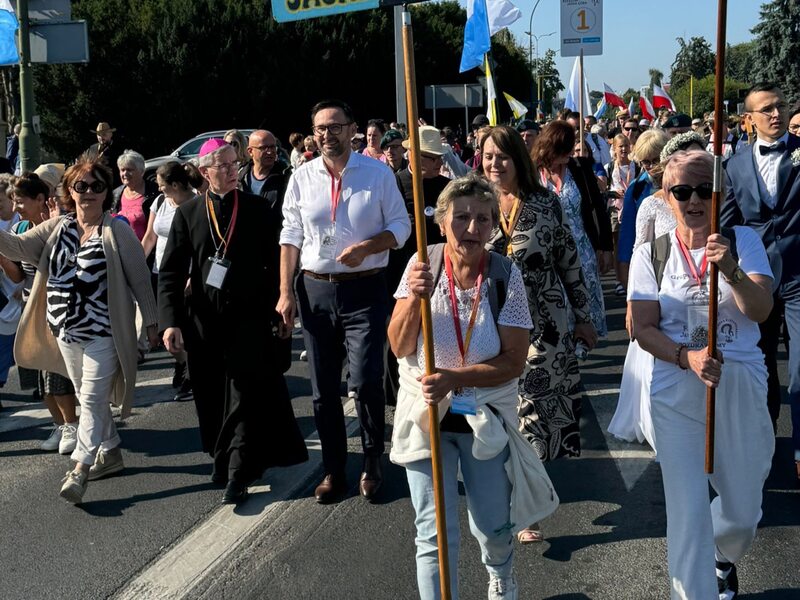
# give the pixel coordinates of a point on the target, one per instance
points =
(338, 277)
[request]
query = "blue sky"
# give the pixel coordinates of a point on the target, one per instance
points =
(637, 35)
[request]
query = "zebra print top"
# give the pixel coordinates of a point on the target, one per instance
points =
(77, 289)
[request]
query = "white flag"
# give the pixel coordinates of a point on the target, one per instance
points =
(502, 13)
(572, 100)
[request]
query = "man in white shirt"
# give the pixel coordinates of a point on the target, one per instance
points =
(763, 192)
(342, 214)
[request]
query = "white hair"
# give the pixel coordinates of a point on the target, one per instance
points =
(131, 157)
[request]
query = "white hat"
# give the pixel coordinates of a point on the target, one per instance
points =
(644, 123)
(430, 141)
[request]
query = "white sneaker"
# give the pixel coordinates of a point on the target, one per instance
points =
(53, 441)
(69, 438)
(74, 486)
(106, 463)
(502, 589)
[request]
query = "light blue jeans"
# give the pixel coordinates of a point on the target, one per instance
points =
(488, 505)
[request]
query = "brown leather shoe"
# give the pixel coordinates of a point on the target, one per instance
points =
(331, 489)
(371, 478)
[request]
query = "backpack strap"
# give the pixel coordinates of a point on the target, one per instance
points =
(659, 254)
(661, 246)
(499, 274)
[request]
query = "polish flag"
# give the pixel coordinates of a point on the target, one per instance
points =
(612, 98)
(661, 99)
(647, 109)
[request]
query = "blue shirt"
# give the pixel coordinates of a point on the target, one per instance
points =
(630, 206)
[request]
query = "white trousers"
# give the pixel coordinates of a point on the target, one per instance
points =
(92, 367)
(698, 532)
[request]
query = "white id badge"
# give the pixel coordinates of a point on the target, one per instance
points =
(217, 272)
(697, 319)
(464, 402)
(327, 249)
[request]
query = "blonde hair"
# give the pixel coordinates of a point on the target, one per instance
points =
(650, 144)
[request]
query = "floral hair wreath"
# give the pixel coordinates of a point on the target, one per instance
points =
(681, 142)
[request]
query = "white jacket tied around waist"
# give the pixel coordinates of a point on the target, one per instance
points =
(493, 426)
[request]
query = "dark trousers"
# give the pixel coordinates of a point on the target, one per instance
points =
(345, 319)
(785, 315)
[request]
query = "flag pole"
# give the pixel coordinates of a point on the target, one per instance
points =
(425, 312)
(719, 93)
(580, 101)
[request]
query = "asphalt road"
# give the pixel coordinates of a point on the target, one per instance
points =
(157, 531)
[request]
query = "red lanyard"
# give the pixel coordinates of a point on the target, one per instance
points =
(336, 193)
(463, 343)
(698, 277)
(225, 240)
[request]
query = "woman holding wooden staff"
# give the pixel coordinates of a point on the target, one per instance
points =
(669, 300)
(480, 329)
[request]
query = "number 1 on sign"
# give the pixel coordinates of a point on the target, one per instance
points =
(582, 14)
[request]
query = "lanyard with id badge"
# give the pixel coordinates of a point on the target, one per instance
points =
(510, 223)
(463, 399)
(697, 305)
(218, 270)
(328, 237)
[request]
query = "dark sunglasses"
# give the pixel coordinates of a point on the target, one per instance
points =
(631, 128)
(683, 192)
(96, 186)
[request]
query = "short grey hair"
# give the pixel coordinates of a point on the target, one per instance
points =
(131, 158)
(471, 185)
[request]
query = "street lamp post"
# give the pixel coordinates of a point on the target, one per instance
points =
(530, 47)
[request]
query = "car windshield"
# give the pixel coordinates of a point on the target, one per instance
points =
(192, 147)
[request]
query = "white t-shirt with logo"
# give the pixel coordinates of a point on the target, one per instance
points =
(684, 305)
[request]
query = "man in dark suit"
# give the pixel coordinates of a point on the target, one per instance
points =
(763, 192)
(227, 242)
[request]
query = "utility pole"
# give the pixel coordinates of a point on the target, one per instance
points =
(28, 138)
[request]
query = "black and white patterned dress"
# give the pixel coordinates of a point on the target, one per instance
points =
(550, 387)
(77, 288)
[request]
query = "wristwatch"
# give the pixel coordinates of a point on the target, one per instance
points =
(736, 276)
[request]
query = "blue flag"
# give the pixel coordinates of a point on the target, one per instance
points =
(8, 29)
(477, 40)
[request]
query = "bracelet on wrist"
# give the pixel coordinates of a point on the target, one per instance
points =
(678, 351)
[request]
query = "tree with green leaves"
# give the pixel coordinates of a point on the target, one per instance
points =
(186, 66)
(545, 70)
(776, 56)
(694, 59)
(739, 61)
(703, 95)
(656, 77)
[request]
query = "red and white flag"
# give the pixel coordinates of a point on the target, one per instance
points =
(661, 99)
(647, 109)
(612, 98)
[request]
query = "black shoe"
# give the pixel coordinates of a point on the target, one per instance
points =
(235, 492)
(185, 392)
(728, 584)
(179, 375)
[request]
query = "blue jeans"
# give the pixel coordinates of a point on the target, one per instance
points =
(6, 356)
(488, 505)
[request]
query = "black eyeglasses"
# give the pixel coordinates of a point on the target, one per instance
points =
(82, 187)
(266, 148)
(631, 128)
(333, 128)
(684, 192)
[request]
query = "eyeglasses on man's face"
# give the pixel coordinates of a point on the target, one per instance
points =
(333, 128)
(229, 166)
(770, 110)
(631, 129)
(266, 148)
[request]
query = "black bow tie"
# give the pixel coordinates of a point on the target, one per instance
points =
(779, 147)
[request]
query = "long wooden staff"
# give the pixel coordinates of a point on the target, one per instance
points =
(719, 93)
(427, 327)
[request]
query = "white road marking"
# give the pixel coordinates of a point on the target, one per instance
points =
(174, 574)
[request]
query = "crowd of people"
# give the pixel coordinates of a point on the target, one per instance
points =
(100, 264)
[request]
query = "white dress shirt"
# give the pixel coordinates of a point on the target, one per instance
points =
(370, 203)
(767, 169)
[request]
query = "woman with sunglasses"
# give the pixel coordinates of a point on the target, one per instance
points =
(669, 320)
(80, 319)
